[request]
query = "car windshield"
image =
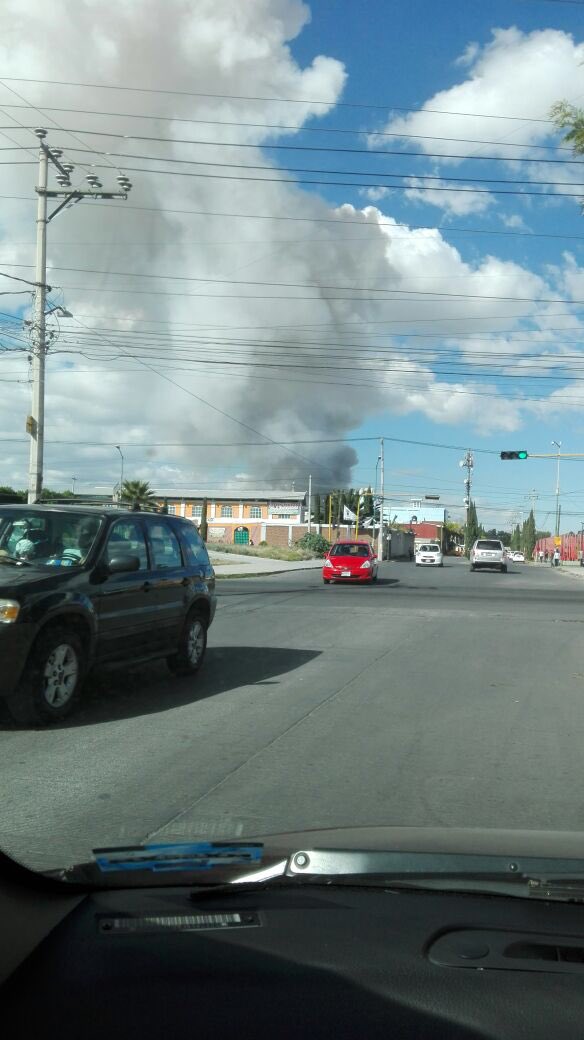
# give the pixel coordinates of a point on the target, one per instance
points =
(290, 337)
(350, 550)
(47, 539)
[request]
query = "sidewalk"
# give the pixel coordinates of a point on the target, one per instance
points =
(231, 565)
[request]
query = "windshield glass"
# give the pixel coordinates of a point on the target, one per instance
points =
(47, 539)
(350, 550)
(291, 306)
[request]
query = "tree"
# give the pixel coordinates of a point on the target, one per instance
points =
(203, 526)
(472, 527)
(138, 494)
(529, 537)
(367, 506)
(567, 116)
(316, 509)
(516, 538)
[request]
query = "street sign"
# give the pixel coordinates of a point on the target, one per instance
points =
(557, 540)
(514, 455)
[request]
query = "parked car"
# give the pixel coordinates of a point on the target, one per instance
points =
(518, 557)
(429, 555)
(83, 587)
(350, 561)
(488, 552)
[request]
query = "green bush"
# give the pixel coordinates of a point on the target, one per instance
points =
(314, 542)
(263, 544)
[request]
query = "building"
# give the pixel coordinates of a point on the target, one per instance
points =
(242, 517)
(426, 520)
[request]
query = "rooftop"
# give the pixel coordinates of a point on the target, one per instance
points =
(229, 495)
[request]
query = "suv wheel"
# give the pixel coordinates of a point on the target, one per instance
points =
(191, 648)
(52, 679)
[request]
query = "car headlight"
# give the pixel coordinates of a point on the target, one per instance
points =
(328, 563)
(365, 566)
(9, 611)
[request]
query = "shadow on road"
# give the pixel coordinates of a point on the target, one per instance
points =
(113, 696)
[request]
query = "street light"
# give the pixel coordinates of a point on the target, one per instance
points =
(558, 445)
(122, 470)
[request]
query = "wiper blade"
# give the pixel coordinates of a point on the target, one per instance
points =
(14, 559)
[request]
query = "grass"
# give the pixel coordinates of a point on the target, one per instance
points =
(269, 552)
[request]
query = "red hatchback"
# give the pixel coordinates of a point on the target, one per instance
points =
(350, 561)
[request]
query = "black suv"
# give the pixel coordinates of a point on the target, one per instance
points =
(83, 587)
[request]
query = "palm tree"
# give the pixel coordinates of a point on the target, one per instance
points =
(138, 493)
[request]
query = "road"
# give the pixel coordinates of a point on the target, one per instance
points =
(436, 697)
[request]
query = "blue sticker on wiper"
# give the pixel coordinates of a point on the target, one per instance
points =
(203, 855)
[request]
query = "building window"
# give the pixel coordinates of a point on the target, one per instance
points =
(255, 513)
(197, 511)
(226, 510)
(284, 516)
(172, 510)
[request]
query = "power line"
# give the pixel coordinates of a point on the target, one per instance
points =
(293, 101)
(337, 221)
(294, 128)
(267, 146)
(308, 285)
(340, 184)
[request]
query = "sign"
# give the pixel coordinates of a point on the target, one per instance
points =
(557, 540)
(291, 507)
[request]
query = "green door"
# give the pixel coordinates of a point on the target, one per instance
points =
(241, 536)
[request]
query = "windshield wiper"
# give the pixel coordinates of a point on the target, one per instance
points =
(14, 559)
(239, 867)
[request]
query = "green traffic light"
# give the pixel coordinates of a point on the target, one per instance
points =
(521, 454)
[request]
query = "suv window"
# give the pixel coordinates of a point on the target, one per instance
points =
(126, 538)
(489, 544)
(165, 546)
(48, 539)
(194, 546)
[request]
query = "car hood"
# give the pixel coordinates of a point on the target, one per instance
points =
(14, 578)
(354, 561)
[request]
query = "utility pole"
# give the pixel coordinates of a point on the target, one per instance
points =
(309, 501)
(558, 445)
(35, 424)
(381, 494)
(467, 463)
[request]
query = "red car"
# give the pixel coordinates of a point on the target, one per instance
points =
(350, 561)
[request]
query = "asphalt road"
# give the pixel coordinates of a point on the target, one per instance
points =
(436, 697)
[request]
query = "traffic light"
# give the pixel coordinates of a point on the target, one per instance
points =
(514, 455)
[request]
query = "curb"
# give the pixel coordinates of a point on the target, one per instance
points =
(263, 574)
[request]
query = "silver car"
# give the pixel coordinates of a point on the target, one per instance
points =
(488, 552)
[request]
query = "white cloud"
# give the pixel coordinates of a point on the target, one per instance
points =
(516, 73)
(468, 55)
(451, 201)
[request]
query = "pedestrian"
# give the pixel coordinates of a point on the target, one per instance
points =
(546, 556)
(557, 557)
(541, 555)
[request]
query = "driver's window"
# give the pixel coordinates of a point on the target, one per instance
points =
(126, 538)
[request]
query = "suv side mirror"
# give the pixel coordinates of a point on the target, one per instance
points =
(122, 564)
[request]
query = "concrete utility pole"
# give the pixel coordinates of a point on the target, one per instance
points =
(381, 495)
(467, 463)
(309, 502)
(35, 424)
(558, 445)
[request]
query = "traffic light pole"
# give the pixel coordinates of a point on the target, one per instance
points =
(381, 494)
(36, 420)
(468, 463)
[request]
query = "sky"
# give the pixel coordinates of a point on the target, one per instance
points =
(340, 228)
